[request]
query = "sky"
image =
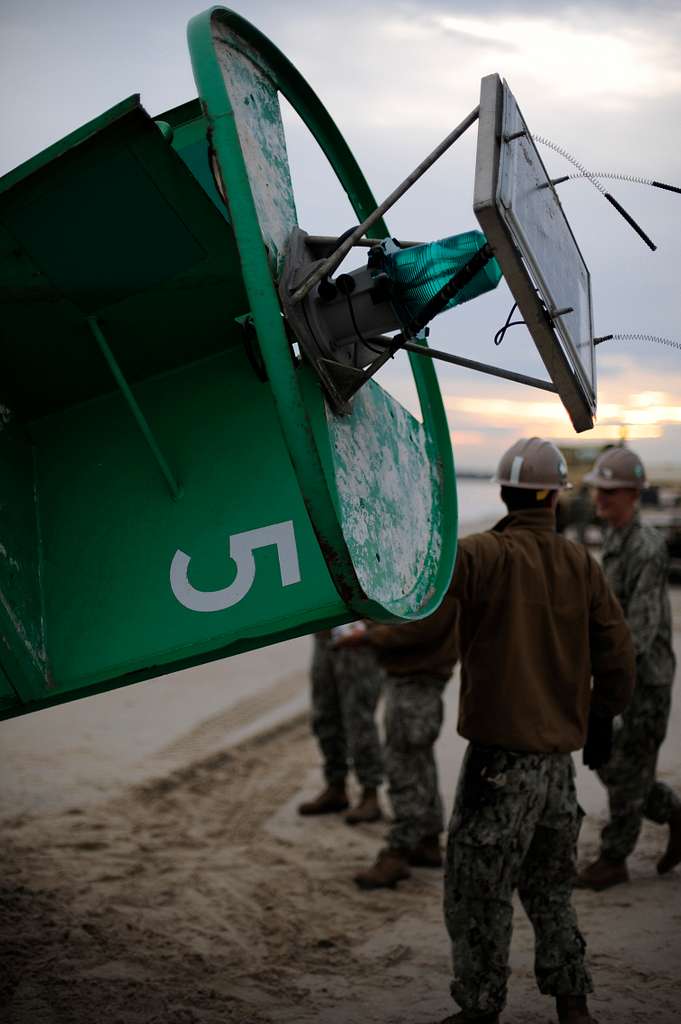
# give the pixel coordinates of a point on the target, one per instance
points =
(602, 80)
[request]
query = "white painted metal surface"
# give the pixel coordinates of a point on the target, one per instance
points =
(258, 120)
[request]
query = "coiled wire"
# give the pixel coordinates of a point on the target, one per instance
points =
(639, 337)
(615, 177)
(593, 178)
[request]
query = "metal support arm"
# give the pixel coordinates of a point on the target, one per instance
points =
(470, 364)
(133, 405)
(337, 257)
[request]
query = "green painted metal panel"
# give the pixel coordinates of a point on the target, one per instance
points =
(109, 600)
(162, 504)
(190, 141)
(111, 533)
(136, 239)
(219, 41)
(262, 142)
(9, 699)
(118, 226)
(22, 627)
(89, 529)
(384, 475)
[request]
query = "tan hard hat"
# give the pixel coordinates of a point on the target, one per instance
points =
(533, 464)
(617, 467)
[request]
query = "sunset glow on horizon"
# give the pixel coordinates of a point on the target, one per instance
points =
(644, 414)
(638, 416)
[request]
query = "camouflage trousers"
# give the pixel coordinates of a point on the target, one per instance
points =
(633, 791)
(515, 825)
(346, 686)
(413, 719)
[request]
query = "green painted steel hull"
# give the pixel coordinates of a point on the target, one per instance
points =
(170, 491)
(109, 532)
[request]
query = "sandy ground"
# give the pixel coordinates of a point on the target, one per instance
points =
(155, 871)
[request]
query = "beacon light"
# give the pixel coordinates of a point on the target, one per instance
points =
(343, 322)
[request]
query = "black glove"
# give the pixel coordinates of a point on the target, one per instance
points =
(598, 746)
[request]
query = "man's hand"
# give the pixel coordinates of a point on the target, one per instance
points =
(598, 746)
(351, 635)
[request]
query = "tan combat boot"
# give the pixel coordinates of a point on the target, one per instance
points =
(368, 809)
(390, 868)
(672, 855)
(573, 1010)
(332, 800)
(427, 854)
(602, 874)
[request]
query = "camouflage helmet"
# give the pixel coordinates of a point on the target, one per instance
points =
(617, 467)
(533, 464)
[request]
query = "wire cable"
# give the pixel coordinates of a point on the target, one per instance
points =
(638, 337)
(593, 178)
(634, 178)
(499, 336)
(360, 336)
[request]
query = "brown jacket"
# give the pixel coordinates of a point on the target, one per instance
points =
(535, 620)
(425, 647)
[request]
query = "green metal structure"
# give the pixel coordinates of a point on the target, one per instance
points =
(174, 487)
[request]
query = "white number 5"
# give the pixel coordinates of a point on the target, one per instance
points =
(241, 548)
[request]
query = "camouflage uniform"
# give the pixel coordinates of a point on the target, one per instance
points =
(413, 719)
(515, 825)
(542, 640)
(636, 563)
(346, 686)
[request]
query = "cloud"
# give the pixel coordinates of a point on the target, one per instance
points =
(610, 62)
(634, 416)
(433, 58)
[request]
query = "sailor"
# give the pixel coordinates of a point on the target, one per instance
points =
(535, 621)
(346, 685)
(636, 563)
(419, 659)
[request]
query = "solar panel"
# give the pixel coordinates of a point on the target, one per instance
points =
(520, 212)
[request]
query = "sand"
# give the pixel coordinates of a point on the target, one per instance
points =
(181, 885)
